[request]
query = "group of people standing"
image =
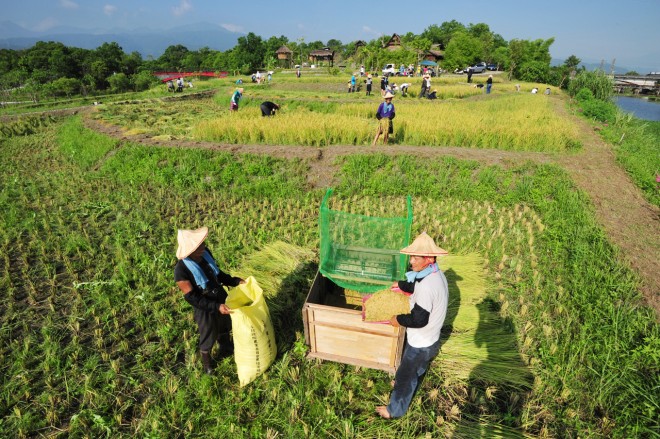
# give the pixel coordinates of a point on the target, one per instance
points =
(179, 85)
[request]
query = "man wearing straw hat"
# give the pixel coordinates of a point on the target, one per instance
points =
(428, 308)
(385, 114)
(197, 275)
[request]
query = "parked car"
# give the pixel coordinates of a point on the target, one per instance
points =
(478, 67)
(391, 70)
(492, 67)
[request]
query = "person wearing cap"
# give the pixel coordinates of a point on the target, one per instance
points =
(202, 283)
(385, 114)
(426, 86)
(404, 89)
(383, 84)
(368, 81)
(428, 308)
(235, 98)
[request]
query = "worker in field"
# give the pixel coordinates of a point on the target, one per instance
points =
(269, 108)
(385, 114)
(428, 308)
(202, 283)
(369, 82)
(235, 99)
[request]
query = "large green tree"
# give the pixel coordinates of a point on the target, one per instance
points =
(249, 53)
(463, 50)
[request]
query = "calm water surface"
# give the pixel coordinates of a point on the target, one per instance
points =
(640, 107)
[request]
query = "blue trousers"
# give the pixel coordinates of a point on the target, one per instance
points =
(488, 87)
(414, 363)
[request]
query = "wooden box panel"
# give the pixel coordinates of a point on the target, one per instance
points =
(334, 331)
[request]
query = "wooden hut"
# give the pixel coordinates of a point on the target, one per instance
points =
(284, 57)
(393, 43)
(434, 55)
(321, 55)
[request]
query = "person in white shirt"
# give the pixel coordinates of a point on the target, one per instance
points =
(428, 308)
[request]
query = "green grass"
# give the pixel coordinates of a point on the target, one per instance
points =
(95, 339)
(637, 147)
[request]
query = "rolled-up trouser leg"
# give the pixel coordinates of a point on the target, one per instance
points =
(414, 363)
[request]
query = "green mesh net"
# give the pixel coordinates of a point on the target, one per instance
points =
(360, 252)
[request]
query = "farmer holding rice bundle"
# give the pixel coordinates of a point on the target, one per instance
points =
(385, 114)
(197, 275)
(428, 308)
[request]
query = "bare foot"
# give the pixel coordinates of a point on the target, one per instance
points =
(382, 411)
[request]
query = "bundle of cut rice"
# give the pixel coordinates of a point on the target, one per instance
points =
(382, 305)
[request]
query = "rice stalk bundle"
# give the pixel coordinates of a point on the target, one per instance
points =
(478, 345)
(382, 305)
(272, 264)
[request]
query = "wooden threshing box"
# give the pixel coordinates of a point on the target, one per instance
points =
(334, 330)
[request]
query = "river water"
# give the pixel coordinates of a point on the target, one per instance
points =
(641, 108)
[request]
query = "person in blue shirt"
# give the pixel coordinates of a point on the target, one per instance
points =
(385, 114)
(235, 99)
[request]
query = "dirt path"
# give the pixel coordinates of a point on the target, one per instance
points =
(628, 219)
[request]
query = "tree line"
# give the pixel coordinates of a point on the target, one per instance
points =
(51, 69)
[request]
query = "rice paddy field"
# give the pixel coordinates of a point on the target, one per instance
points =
(546, 335)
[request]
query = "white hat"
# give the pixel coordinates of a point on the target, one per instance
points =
(423, 245)
(388, 95)
(189, 241)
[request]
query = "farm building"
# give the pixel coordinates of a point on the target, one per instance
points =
(322, 55)
(284, 56)
(393, 43)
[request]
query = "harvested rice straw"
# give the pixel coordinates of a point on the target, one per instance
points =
(382, 305)
(353, 297)
(271, 265)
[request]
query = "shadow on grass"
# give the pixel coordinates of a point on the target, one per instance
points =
(286, 306)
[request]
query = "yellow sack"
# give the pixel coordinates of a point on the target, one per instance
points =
(254, 337)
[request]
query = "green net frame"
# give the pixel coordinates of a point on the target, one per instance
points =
(360, 252)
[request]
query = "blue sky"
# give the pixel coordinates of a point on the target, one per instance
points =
(593, 30)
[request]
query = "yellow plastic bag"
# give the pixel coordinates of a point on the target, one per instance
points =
(254, 337)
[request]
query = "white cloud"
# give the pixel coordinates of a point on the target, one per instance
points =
(109, 9)
(232, 27)
(370, 31)
(184, 7)
(45, 24)
(68, 4)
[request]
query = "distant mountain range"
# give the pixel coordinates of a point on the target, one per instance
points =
(145, 41)
(606, 66)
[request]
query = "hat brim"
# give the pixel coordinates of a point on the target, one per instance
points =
(190, 240)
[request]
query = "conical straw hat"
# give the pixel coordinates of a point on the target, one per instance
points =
(388, 95)
(189, 240)
(424, 245)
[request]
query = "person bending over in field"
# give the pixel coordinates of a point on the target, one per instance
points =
(385, 114)
(235, 99)
(428, 308)
(202, 283)
(269, 108)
